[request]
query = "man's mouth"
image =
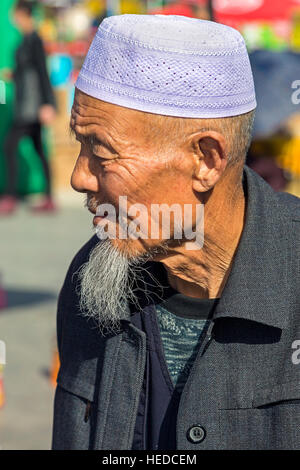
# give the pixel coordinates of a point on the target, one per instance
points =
(99, 215)
(92, 205)
(91, 208)
(97, 219)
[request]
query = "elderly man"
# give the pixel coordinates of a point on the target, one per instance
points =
(167, 343)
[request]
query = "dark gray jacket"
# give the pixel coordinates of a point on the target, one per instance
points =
(244, 387)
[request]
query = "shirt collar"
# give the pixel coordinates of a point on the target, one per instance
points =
(257, 287)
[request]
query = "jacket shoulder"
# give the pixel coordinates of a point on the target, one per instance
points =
(290, 205)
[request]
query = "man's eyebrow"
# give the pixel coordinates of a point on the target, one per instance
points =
(92, 139)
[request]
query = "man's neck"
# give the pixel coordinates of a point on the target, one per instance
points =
(203, 273)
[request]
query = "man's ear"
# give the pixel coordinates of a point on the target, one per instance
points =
(210, 152)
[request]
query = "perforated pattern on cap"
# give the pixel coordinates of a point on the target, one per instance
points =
(169, 65)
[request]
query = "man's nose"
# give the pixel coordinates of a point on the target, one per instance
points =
(83, 179)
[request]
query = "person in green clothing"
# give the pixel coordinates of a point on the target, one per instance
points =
(34, 107)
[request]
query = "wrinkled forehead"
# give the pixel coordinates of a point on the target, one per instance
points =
(91, 115)
(84, 105)
(87, 110)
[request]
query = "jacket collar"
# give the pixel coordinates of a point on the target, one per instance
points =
(257, 287)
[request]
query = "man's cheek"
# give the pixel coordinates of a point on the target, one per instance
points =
(119, 183)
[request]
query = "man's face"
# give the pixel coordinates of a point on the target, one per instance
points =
(125, 159)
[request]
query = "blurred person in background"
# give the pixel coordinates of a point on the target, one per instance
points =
(34, 107)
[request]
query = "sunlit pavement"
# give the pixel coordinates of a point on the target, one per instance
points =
(35, 252)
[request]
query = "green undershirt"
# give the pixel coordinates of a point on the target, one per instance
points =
(183, 322)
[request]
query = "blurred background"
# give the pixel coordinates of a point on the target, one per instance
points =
(42, 220)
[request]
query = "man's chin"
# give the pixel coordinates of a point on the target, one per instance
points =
(140, 248)
(130, 248)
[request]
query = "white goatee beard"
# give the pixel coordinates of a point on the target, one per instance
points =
(107, 283)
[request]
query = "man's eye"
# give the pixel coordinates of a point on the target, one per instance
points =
(98, 157)
(102, 154)
(104, 159)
